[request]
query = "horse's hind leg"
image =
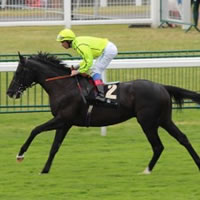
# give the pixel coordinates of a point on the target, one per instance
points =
(157, 147)
(59, 137)
(173, 130)
(148, 122)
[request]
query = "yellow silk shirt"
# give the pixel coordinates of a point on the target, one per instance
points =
(88, 48)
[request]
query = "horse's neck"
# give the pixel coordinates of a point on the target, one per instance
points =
(44, 72)
(58, 86)
(52, 85)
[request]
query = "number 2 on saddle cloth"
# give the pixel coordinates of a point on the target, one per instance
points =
(89, 91)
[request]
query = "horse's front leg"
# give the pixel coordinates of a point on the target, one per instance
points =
(59, 137)
(52, 124)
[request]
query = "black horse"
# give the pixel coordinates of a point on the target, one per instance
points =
(149, 102)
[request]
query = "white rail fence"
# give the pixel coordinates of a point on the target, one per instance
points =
(78, 12)
(129, 63)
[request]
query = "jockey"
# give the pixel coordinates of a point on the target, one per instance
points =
(90, 48)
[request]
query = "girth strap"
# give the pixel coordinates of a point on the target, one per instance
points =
(88, 116)
(80, 89)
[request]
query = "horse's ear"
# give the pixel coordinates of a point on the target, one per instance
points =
(21, 58)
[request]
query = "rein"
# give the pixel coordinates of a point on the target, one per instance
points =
(58, 77)
(77, 83)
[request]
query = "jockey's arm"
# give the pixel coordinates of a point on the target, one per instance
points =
(85, 52)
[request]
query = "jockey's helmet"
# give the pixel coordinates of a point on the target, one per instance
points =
(65, 35)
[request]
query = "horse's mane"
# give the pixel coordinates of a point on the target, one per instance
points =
(50, 60)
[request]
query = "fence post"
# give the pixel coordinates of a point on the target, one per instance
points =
(138, 2)
(186, 14)
(3, 3)
(103, 3)
(67, 13)
(155, 13)
(103, 131)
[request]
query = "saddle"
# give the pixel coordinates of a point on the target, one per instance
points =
(89, 92)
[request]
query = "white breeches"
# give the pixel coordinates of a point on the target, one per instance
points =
(104, 60)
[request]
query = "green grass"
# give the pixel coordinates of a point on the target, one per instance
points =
(91, 167)
(34, 39)
(88, 166)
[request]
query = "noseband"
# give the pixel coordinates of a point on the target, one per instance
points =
(22, 87)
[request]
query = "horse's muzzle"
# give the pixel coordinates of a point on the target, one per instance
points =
(15, 95)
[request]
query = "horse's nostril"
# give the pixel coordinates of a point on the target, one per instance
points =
(9, 93)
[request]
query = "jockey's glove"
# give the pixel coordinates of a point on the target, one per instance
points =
(75, 67)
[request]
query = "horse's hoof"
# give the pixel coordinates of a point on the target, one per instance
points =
(44, 172)
(20, 158)
(146, 171)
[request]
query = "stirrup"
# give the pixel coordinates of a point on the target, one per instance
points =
(101, 99)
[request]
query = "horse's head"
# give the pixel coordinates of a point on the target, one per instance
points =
(23, 78)
(35, 69)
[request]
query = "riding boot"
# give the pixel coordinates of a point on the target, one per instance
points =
(100, 90)
(100, 95)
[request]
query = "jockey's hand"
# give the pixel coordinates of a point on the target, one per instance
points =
(74, 72)
(74, 67)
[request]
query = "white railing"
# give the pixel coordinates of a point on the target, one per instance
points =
(80, 12)
(129, 63)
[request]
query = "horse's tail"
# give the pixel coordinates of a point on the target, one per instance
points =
(179, 94)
